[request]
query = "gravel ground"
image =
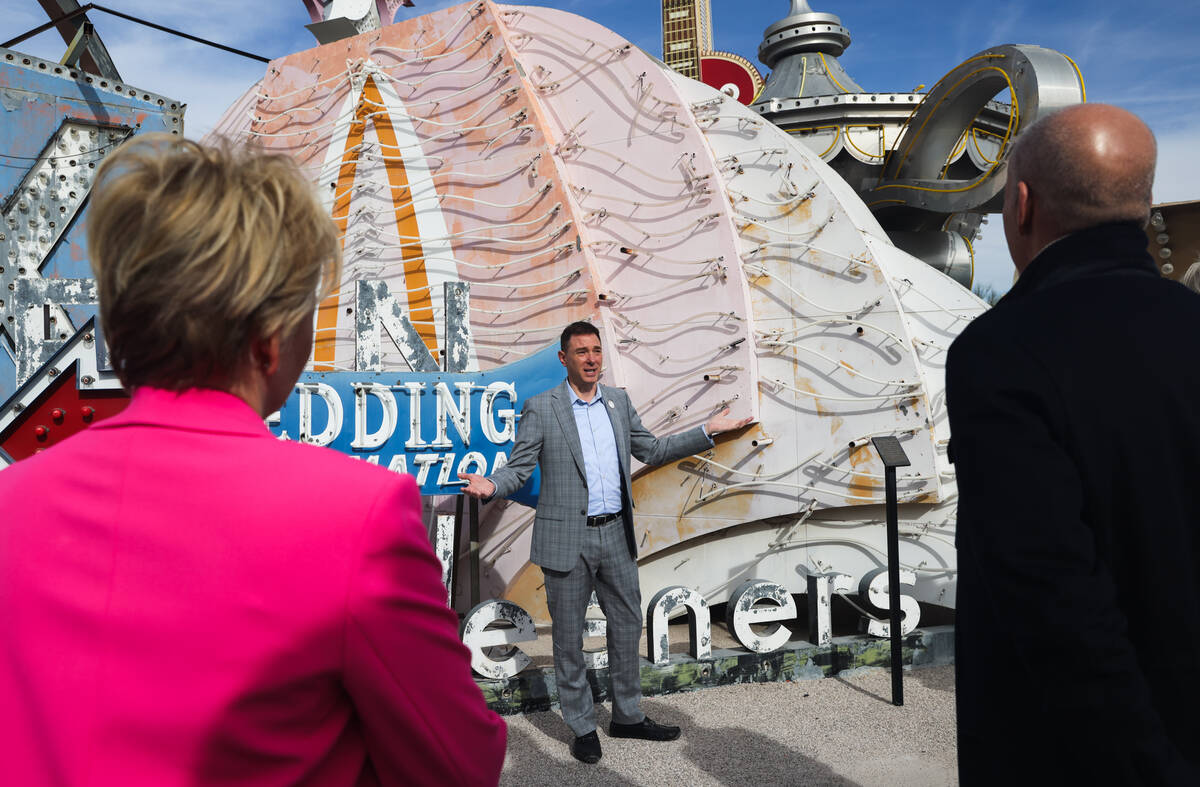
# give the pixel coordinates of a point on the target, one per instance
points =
(838, 731)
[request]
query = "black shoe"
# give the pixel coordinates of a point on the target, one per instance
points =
(646, 729)
(586, 748)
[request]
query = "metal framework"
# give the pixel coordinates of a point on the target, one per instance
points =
(79, 12)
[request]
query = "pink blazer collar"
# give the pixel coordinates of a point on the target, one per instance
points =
(196, 409)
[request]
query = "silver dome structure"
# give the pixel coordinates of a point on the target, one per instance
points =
(953, 139)
(802, 51)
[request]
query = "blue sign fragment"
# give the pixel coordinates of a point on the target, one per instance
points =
(432, 425)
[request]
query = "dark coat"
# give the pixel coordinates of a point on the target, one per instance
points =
(1075, 419)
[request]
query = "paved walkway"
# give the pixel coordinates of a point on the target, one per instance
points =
(836, 731)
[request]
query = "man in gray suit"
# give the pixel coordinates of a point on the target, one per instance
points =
(581, 435)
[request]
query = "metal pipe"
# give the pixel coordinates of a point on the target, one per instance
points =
(43, 28)
(83, 9)
(459, 502)
(473, 535)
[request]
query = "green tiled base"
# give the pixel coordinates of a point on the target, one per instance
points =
(534, 689)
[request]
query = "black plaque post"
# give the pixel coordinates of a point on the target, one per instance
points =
(471, 515)
(473, 535)
(893, 456)
(459, 503)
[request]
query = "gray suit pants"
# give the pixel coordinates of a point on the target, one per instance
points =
(605, 566)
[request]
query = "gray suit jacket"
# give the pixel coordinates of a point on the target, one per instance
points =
(547, 438)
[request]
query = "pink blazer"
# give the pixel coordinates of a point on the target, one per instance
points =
(185, 599)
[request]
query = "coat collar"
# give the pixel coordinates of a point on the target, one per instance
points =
(562, 398)
(565, 391)
(1091, 252)
(195, 409)
(620, 425)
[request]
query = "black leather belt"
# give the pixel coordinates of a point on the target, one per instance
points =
(602, 519)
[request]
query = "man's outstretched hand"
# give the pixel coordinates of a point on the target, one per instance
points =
(721, 422)
(477, 485)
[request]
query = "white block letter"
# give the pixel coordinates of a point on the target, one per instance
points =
(457, 414)
(741, 611)
(414, 440)
(333, 405)
(821, 587)
(384, 432)
(661, 606)
(873, 589)
(488, 413)
(477, 635)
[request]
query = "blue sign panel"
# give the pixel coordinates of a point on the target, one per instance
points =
(432, 425)
(58, 125)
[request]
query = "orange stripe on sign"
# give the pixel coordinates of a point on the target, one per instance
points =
(327, 312)
(416, 278)
(420, 304)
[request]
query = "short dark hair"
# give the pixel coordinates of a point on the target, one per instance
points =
(576, 329)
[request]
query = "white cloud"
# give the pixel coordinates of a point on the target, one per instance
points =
(993, 265)
(1178, 176)
(207, 81)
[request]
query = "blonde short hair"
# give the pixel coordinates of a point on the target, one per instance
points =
(199, 251)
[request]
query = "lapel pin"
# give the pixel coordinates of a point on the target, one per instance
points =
(611, 406)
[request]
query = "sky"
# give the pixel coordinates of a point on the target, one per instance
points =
(1141, 56)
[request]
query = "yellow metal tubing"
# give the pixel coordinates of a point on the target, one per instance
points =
(1078, 73)
(971, 252)
(975, 132)
(829, 73)
(1013, 118)
(836, 136)
(931, 92)
(868, 126)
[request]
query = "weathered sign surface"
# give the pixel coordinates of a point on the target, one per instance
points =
(432, 425)
(499, 171)
(57, 124)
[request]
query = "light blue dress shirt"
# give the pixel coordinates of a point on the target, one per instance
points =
(600, 462)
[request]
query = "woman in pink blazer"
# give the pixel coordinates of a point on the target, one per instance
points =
(185, 599)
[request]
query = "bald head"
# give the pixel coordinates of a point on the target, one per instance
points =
(1079, 167)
